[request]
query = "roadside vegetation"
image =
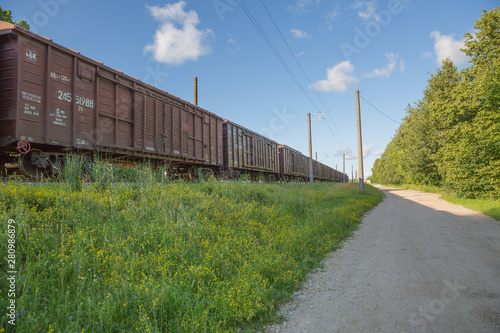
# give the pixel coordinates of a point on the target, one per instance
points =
(128, 251)
(451, 138)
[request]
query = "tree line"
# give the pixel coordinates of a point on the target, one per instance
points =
(451, 137)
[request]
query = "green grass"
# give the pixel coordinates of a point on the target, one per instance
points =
(148, 256)
(488, 207)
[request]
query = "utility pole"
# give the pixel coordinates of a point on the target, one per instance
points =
(310, 151)
(352, 173)
(195, 97)
(360, 148)
(343, 168)
(318, 118)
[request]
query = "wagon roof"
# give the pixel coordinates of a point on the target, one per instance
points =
(292, 149)
(250, 131)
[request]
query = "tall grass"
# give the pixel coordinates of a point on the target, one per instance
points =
(150, 256)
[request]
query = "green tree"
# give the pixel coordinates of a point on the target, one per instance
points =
(6, 15)
(471, 155)
(452, 136)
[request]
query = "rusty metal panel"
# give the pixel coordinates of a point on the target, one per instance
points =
(106, 101)
(220, 141)
(86, 133)
(60, 98)
(125, 119)
(177, 131)
(149, 123)
(159, 130)
(207, 139)
(228, 146)
(316, 169)
(167, 132)
(198, 137)
(8, 83)
(139, 121)
(31, 97)
(247, 150)
(292, 162)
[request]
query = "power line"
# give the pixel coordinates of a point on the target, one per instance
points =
(301, 68)
(276, 53)
(397, 122)
(343, 143)
(333, 133)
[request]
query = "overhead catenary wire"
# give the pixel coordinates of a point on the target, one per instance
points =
(276, 53)
(397, 122)
(303, 72)
(285, 65)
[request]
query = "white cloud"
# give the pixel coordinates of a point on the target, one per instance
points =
(446, 46)
(366, 10)
(349, 155)
(338, 78)
(378, 152)
(301, 53)
(367, 150)
(303, 6)
(299, 33)
(177, 39)
(427, 54)
(331, 17)
(393, 62)
(233, 45)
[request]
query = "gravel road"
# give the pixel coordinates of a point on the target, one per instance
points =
(416, 264)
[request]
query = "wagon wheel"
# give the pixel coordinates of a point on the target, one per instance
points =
(205, 174)
(271, 178)
(29, 169)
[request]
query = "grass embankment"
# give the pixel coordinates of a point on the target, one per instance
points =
(485, 206)
(166, 257)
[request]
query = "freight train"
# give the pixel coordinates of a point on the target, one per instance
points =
(54, 101)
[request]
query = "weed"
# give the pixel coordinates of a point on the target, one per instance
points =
(152, 256)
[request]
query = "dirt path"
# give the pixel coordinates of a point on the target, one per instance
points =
(416, 264)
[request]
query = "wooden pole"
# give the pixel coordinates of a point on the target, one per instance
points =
(360, 148)
(343, 168)
(195, 91)
(311, 177)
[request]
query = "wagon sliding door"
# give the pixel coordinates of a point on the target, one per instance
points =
(114, 125)
(192, 135)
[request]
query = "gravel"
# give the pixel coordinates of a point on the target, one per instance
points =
(416, 264)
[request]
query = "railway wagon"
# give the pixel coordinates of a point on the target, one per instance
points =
(293, 164)
(53, 100)
(317, 170)
(326, 173)
(248, 151)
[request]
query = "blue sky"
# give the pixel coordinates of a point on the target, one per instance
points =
(313, 57)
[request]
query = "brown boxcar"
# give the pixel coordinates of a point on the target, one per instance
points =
(324, 172)
(293, 164)
(54, 100)
(317, 174)
(245, 150)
